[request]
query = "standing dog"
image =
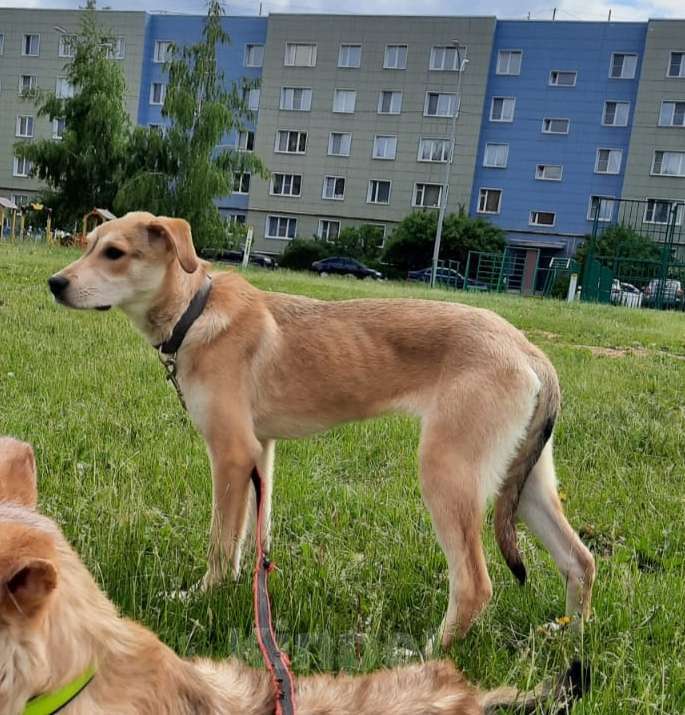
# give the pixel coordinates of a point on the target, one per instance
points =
(257, 366)
(57, 628)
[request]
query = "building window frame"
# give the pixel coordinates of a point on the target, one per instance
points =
(27, 45)
(249, 140)
(616, 102)
(393, 93)
(247, 54)
(444, 150)
(675, 103)
(506, 155)
(420, 190)
(330, 143)
(374, 154)
(624, 55)
(66, 46)
(306, 92)
(537, 213)
(33, 84)
(241, 179)
(663, 152)
(373, 191)
(602, 217)
(159, 101)
(445, 65)
(327, 237)
(337, 92)
(300, 143)
(483, 196)
(335, 182)
(25, 126)
(547, 125)
(291, 59)
(452, 108)
(556, 74)
(401, 61)
(501, 119)
(681, 68)
(162, 51)
(541, 170)
(346, 46)
(26, 164)
(506, 71)
(279, 218)
(289, 182)
(608, 161)
(651, 206)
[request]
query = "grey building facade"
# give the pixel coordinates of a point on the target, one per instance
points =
(33, 54)
(655, 171)
(355, 119)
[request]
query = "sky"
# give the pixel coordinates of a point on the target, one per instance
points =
(506, 9)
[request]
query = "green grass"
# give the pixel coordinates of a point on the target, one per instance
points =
(127, 477)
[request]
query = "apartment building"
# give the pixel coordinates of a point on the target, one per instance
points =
(655, 170)
(556, 128)
(355, 119)
(240, 61)
(34, 50)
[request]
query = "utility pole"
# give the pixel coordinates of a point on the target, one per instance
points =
(461, 63)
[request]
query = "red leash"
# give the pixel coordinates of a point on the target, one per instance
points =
(276, 660)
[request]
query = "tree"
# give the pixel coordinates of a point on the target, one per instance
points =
(411, 244)
(180, 171)
(619, 241)
(300, 253)
(362, 242)
(83, 169)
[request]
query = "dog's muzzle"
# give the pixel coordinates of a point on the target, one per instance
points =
(58, 284)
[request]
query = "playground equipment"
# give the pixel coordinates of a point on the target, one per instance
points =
(94, 218)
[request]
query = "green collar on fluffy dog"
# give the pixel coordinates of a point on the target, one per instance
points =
(50, 703)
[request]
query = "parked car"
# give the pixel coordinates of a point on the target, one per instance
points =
(625, 294)
(236, 256)
(447, 277)
(341, 266)
(671, 290)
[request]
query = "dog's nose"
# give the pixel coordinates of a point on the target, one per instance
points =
(58, 285)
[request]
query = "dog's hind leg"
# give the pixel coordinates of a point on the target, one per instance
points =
(540, 508)
(468, 440)
(265, 465)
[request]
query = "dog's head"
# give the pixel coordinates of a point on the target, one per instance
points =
(126, 263)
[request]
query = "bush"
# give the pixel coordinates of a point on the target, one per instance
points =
(300, 253)
(411, 244)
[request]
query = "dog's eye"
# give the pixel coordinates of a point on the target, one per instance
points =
(113, 253)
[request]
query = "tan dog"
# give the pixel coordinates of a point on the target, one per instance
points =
(257, 366)
(56, 624)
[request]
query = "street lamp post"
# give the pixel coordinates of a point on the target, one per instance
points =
(461, 62)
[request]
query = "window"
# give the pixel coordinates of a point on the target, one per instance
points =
(339, 144)
(30, 47)
(676, 65)
(502, 109)
(291, 142)
(328, 230)
(509, 62)
(251, 97)
(672, 114)
(350, 56)
(384, 147)
(237, 219)
(601, 207)
(434, 150)
(333, 188)
(20, 199)
(246, 141)
(549, 172)
(496, 156)
(344, 100)
(669, 163)
(378, 192)
(63, 88)
(489, 201)
(444, 58)
(241, 183)
(157, 93)
(67, 46)
(427, 196)
(283, 227)
(623, 66)
(616, 114)
(439, 104)
(300, 55)
(58, 126)
(116, 48)
(22, 166)
(555, 126)
(162, 51)
(395, 57)
(27, 83)
(286, 184)
(542, 218)
(296, 99)
(2, 45)
(608, 161)
(389, 102)
(660, 211)
(254, 56)
(560, 78)
(24, 126)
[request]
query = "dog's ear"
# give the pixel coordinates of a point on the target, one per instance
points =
(25, 587)
(17, 472)
(177, 232)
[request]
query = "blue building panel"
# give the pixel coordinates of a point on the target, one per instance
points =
(187, 30)
(589, 49)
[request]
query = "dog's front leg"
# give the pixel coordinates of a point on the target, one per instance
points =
(232, 463)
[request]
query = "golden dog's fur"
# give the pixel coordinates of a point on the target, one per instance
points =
(257, 366)
(55, 623)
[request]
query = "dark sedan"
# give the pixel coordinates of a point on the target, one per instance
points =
(340, 266)
(446, 277)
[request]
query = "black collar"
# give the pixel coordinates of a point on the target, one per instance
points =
(185, 322)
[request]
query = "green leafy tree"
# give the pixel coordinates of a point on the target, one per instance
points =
(620, 242)
(361, 242)
(300, 253)
(83, 169)
(411, 244)
(181, 171)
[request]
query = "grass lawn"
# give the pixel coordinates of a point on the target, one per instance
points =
(363, 579)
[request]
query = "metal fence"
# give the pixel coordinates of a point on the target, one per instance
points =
(656, 280)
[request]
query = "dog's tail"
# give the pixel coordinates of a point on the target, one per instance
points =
(572, 685)
(538, 434)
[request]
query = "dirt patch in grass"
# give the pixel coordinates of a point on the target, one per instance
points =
(598, 351)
